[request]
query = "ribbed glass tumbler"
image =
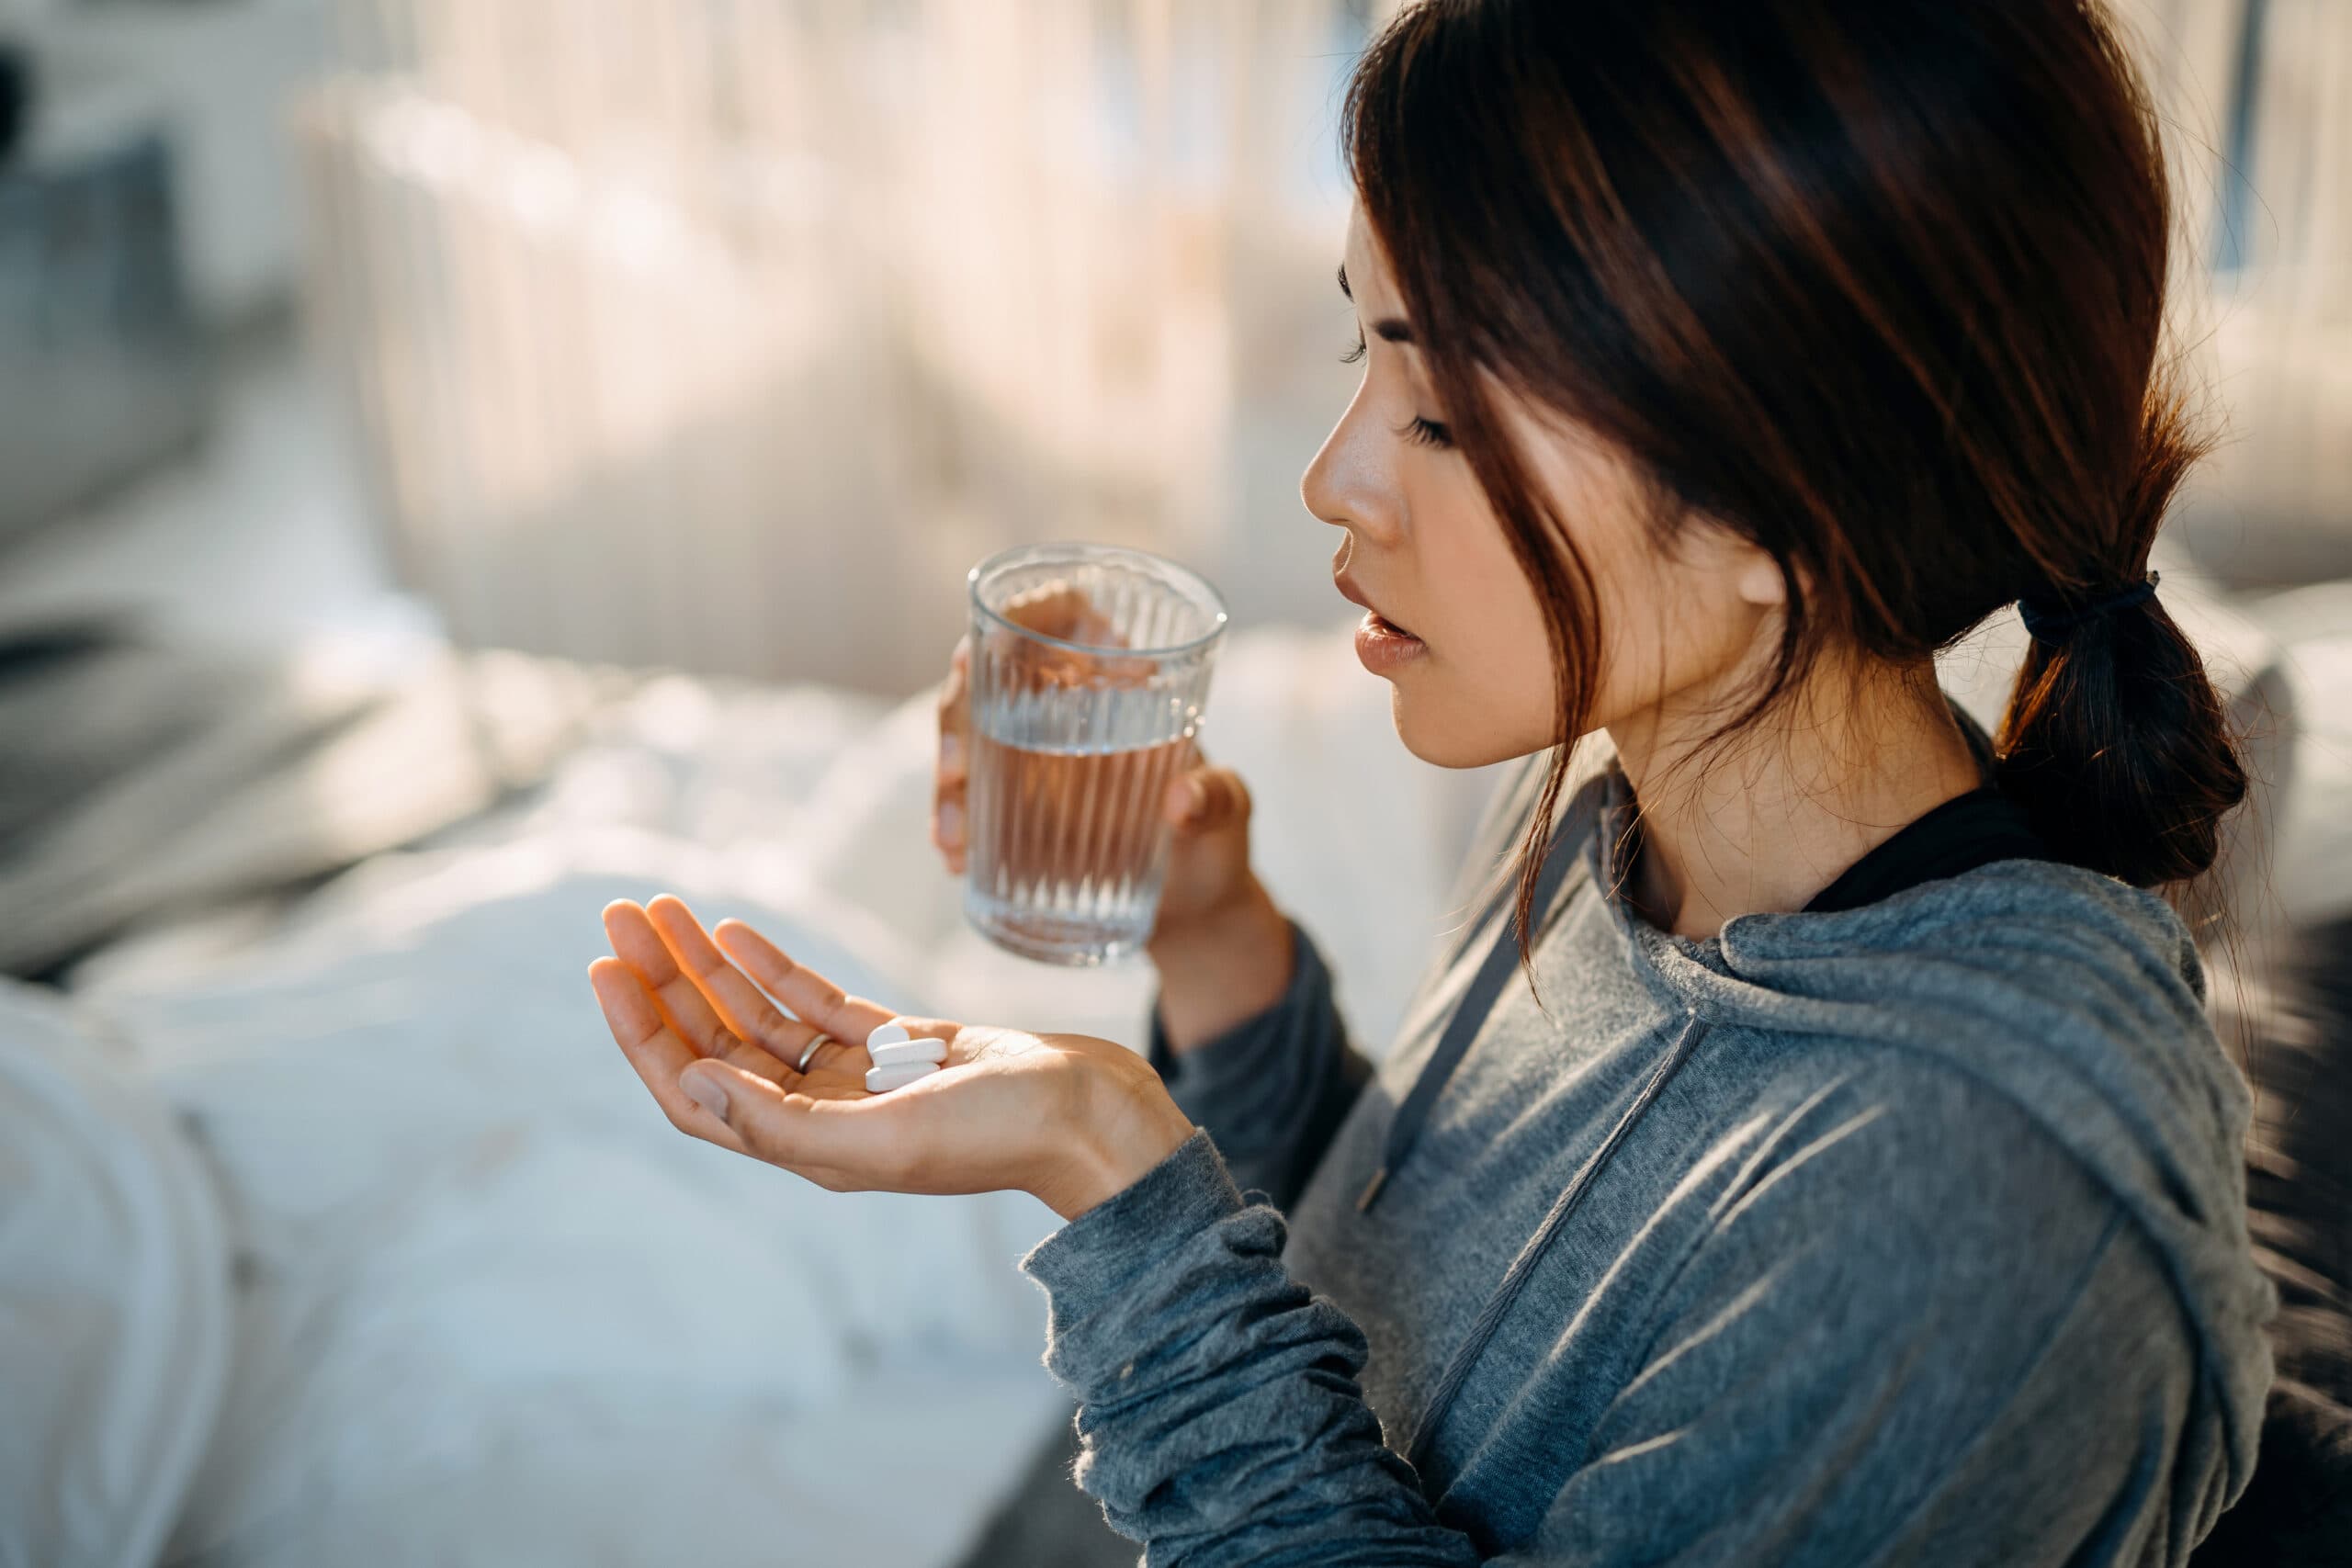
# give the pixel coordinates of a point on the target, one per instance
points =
(1090, 670)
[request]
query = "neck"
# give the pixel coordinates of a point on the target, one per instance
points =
(1768, 818)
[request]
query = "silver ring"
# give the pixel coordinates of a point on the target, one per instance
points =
(802, 1064)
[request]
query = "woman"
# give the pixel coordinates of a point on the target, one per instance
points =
(1818, 1153)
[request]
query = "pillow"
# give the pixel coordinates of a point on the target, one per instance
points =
(114, 1298)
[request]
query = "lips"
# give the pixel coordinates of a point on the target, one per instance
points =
(1355, 595)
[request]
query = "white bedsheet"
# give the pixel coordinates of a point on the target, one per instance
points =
(493, 1310)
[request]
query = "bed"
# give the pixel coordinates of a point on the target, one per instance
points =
(333, 1229)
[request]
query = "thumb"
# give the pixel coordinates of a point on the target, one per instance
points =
(703, 1083)
(759, 1118)
(1208, 800)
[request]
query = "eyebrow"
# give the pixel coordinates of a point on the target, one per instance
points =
(1391, 329)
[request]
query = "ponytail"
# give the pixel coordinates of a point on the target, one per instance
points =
(2115, 741)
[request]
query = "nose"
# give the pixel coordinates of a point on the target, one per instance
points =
(1351, 483)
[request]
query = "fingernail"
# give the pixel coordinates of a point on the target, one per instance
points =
(951, 824)
(707, 1092)
(951, 749)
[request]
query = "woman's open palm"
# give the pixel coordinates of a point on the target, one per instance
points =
(1067, 1117)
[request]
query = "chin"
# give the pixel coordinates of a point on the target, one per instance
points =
(1455, 734)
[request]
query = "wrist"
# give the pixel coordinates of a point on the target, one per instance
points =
(1205, 933)
(1128, 1129)
(1222, 968)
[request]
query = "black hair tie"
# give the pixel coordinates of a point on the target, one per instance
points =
(2050, 622)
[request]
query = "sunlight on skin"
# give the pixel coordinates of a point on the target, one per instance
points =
(1689, 614)
(1425, 544)
(1069, 1117)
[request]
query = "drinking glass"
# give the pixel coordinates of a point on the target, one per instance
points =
(1090, 670)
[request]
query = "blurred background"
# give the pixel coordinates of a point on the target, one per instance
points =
(719, 336)
(461, 460)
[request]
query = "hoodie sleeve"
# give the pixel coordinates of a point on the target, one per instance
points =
(1218, 1408)
(1272, 1089)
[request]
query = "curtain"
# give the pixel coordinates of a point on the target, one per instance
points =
(2257, 96)
(727, 334)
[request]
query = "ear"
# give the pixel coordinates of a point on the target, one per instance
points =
(1756, 578)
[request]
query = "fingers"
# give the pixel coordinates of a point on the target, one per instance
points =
(636, 943)
(808, 994)
(741, 1006)
(1057, 609)
(954, 772)
(654, 1050)
(684, 999)
(1207, 800)
(1062, 611)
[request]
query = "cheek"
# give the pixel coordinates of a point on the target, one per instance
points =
(1486, 693)
(1660, 630)
(1666, 628)
(1492, 608)
(1643, 631)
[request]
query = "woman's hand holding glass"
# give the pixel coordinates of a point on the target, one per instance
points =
(1070, 1119)
(1222, 946)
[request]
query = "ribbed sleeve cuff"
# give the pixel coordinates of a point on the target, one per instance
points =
(1098, 1258)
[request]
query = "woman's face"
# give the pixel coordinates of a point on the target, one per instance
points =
(1452, 622)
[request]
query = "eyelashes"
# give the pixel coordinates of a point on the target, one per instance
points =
(1426, 432)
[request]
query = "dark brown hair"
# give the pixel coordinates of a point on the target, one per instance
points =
(1877, 283)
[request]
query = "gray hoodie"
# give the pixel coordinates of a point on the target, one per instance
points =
(1912, 1233)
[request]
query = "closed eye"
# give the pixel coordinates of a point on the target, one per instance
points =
(1355, 354)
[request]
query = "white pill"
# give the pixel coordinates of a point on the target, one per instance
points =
(887, 1034)
(882, 1080)
(891, 1053)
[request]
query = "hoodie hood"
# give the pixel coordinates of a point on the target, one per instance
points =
(2076, 997)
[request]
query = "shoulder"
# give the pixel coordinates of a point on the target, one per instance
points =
(2042, 926)
(2076, 916)
(1829, 1144)
(1891, 1224)
(1901, 1299)
(2074, 999)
